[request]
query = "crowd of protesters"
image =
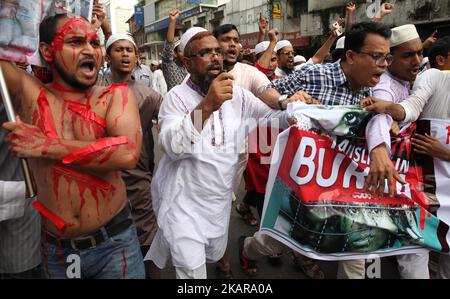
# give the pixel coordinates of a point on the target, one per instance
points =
(86, 129)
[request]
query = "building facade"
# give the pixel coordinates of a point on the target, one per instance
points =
(205, 13)
(306, 23)
(117, 14)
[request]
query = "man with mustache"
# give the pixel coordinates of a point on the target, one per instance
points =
(121, 52)
(78, 137)
(345, 82)
(285, 54)
(202, 126)
(394, 86)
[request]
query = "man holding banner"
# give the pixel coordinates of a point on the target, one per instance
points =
(345, 82)
(406, 47)
(430, 103)
(78, 137)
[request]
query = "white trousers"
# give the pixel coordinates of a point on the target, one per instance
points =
(410, 266)
(198, 273)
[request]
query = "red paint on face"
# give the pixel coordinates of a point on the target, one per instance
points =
(75, 26)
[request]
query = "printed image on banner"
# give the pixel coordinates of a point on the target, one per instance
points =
(19, 23)
(315, 201)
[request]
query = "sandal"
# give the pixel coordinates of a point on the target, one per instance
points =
(224, 274)
(248, 266)
(308, 266)
(246, 214)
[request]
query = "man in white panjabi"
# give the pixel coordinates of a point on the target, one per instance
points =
(201, 125)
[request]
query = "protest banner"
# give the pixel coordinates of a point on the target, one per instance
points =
(19, 22)
(315, 201)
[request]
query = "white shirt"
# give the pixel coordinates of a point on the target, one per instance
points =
(249, 77)
(159, 83)
(143, 74)
(430, 97)
(192, 188)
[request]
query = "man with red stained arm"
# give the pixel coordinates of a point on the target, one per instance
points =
(77, 137)
(121, 52)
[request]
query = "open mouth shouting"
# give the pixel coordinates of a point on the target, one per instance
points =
(232, 54)
(88, 67)
(214, 70)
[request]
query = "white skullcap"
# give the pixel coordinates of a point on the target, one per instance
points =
(119, 36)
(261, 47)
(299, 58)
(176, 44)
(425, 60)
(188, 35)
(281, 44)
(154, 62)
(403, 34)
(340, 44)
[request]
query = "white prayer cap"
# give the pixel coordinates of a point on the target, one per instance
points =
(119, 36)
(154, 62)
(281, 44)
(261, 47)
(299, 58)
(340, 44)
(176, 44)
(425, 60)
(403, 34)
(188, 35)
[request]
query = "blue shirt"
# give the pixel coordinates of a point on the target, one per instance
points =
(324, 82)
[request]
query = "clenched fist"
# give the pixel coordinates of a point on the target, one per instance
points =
(221, 90)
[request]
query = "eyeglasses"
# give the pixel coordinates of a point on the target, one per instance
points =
(209, 53)
(379, 58)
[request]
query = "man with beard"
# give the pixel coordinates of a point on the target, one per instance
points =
(394, 86)
(78, 137)
(121, 52)
(247, 77)
(285, 54)
(202, 123)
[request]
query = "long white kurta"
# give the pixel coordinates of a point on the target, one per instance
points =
(192, 187)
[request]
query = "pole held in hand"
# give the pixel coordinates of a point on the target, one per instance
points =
(29, 182)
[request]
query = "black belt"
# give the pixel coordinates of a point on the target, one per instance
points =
(118, 224)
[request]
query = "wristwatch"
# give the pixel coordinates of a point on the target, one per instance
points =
(281, 100)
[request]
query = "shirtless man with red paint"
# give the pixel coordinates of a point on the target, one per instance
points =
(77, 137)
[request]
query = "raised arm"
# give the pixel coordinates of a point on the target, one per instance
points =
(323, 52)
(263, 25)
(351, 7)
(15, 80)
(386, 8)
(266, 57)
(173, 16)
